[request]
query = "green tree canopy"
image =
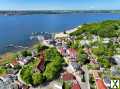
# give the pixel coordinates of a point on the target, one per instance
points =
(37, 78)
(104, 29)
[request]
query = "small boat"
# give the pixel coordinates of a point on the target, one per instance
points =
(11, 45)
(34, 33)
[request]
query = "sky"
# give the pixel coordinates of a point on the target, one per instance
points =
(59, 4)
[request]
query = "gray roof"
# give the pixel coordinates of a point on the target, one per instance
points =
(117, 59)
(75, 65)
(107, 79)
(8, 83)
(115, 70)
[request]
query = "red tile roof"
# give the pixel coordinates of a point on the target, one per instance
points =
(75, 85)
(100, 84)
(62, 51)
(42, 62)
(68, 76)
(72, 53)
(15, 62)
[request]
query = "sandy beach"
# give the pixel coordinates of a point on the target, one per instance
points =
(72, 30)
(62, 34)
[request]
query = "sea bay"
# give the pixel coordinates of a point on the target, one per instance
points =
(18, 29)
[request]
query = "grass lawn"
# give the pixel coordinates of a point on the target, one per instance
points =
(7, 58)
(2, 71)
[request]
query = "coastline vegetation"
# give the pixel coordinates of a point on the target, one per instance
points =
(109, 28)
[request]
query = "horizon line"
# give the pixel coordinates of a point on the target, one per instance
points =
(59, 10)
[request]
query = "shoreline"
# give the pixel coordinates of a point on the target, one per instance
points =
(67, 32)
(73, 30)
(18, 50)
(60, 34)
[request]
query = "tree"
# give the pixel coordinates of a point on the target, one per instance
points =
(37, 78)
(103, 29)
(50, 72)
(53, 66)
(40, 47)
(2, 70)
(25, 53)
(104, 62)
(66, 85)
(26, 75)
(75, 44)
(82, 57)
(17, 67)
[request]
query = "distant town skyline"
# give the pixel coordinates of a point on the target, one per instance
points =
(59, 4)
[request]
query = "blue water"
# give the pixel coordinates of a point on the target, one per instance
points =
(17, 29)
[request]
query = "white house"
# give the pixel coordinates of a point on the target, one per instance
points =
(95, 38)
(106, 40)
(24, 60)
(84, 42)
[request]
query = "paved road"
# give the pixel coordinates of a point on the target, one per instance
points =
(19, 78)
(86, 76)
(48, 85)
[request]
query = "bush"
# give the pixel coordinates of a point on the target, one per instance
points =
(37, 78)
(104, 29)
(2, 70)
(25, 53)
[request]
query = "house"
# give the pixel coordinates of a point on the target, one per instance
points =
(14, 63)
(99, 82)
(84, 42)
(34, 53)
(61, 35)
(75, 66)
(107, 81)
(59, 42)
(25, 87)
(72, 54)
(40, 38)
(71, 38)
(115, 70)
(24, 60)
(115, 40)
(68, 76)
(115, 59)
(106, 40)
(95, 38)
(65, 46)
(12, 71)
(63, 51)
(41, 64)
(75, 85)
(8, 82)
(51, 42)
(21, 85)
